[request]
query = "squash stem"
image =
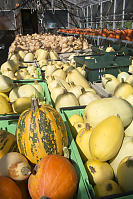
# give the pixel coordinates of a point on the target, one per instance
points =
(66, 152)
(26, 171)
(87, 126)
(34, 104)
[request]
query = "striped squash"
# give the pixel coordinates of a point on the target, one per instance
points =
(7, 143)
(40, 131)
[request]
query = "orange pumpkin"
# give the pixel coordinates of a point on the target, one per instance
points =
(118, 35)
(53, 177)
(9, 189)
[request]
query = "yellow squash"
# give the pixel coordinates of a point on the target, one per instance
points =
(125, 173)
(82, 141)
(98, 171)
(5, 107)
(106, 188)
(106, 138)
(98, 110)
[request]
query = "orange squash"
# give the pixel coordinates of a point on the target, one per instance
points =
(9, 189)
(53, 177)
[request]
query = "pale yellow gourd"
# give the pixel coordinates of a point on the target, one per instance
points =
(122, 76)
(8, 65)
(123, 90)
(21, 104)
(75, 129)
(125, 150)
(75, 118)
(21, 55)
(107, 188)
(109, 49)
(6, 84)
(56, 91)
(98, 171)
(129, 130)
(78, 79)
(28, 90)
(87, 97)
(13, 95)
(5, 107)
(125, 173)
(129, 98)
(107, 77)
(59, 74)
(66, 100)
(106, 139)
(82, 141)
(28, 57)
(98, 110)
(110, 84)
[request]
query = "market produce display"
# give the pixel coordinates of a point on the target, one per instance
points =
(63, 153)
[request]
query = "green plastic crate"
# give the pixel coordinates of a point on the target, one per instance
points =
(108, 64)
(39, 77)
(84, 182)
(44, 86)
(66, 113)
(83, 191)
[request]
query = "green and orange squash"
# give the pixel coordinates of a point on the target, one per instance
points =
(41, 131)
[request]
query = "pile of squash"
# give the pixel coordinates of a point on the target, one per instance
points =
(17, 69)
(67, 85)
(103, 133)
(16, 97)
(57, 43)
(32, 162)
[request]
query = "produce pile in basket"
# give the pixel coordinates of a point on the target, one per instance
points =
(16, 97)
(103, 132)
(18, 70)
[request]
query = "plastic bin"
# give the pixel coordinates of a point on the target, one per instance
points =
(84, 188)
(108, 64)
(44, 86)
(66, 113)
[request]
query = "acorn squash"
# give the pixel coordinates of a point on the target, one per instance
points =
(40, 131)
